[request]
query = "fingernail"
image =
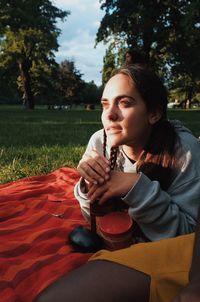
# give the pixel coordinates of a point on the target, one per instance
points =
(107, 169)
(101, 180)
(107, 177)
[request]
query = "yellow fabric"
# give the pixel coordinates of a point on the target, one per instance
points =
(167, 262)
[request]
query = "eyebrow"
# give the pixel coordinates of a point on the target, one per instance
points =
(119, 97)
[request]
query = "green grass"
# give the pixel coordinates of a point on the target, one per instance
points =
(40, 141)
(190, 119)
(37, 142)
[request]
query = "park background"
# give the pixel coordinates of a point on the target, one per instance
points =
(48, 110)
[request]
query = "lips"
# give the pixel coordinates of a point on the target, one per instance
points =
(113, 129)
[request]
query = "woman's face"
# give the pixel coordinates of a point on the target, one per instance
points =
(125, 117)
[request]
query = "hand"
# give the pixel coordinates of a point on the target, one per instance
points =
(117, 186)
(94, 168)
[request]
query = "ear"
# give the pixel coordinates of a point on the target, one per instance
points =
(154, 117)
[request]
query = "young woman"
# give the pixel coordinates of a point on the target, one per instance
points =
(155, 170)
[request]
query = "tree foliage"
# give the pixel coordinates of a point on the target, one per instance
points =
(109, 63)
(29, 35)
(185, 59)
(69, 83)
(167, 33)
(91, 94)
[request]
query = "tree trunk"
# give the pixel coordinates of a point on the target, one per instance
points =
(189, 94)
(28, 98)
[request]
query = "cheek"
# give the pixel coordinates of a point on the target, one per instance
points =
(136, 121)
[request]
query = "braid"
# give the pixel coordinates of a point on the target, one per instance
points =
(113, 157)
(113, 152)
(104, 143)
(95, 208)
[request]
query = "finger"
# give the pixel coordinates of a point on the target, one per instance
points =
(87, 176)
(99, 170)
(91, 190)
(104, 197)
(96, 194)
(92, 170)
(89, 173)
(102, 161)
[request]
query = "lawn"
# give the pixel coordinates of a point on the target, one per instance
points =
(40, 141)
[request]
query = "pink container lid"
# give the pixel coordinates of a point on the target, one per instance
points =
(115, 223)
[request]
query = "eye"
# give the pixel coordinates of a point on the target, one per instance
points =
(104, 104)
(126, 102)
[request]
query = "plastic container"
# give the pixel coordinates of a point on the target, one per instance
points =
(116, 230)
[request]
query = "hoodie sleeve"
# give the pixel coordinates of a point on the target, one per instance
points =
(82, 199)
(163, 214)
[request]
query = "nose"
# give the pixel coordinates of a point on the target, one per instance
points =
(112, 113)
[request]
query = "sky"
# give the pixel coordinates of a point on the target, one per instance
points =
(77, 40)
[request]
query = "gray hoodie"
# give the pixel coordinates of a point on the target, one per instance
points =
(160, 214)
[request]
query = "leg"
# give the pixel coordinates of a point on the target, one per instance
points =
(99, 281)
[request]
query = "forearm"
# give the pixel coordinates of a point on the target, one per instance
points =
(158, 212)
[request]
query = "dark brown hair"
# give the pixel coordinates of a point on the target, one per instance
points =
(157, 160)
(136, 57)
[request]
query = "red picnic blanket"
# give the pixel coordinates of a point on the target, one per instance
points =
(36, 216)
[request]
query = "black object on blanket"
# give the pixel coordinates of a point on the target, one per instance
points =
(88, 241)
(85, 241)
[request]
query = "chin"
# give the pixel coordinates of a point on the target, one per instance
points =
(113, 142)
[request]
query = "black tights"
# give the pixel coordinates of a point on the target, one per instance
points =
(99, 281)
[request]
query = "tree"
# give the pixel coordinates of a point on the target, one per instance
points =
(29, 38)
(8, 85)
(185, 61)
(167, 32)
(135, 24)
(69, 83)
(91, 94)
(44, 78)
(109, 64)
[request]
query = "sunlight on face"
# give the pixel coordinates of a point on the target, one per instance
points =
(124, 117)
